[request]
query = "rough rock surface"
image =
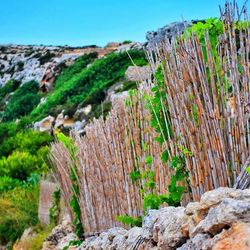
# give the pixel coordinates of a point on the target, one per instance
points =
(60, 237)
(138, 74)
(167, 32)
(221, 220)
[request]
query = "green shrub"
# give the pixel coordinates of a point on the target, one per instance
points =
(75, 68)
(19, 165)
(18, 210)
(7, 130)
(9, 87)
(127, 42)
(90, 81)
(26, 140)
(130, 221)
(22, 102)
(54, 211)
(8, 183)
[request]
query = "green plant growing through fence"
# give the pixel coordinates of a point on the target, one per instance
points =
(146, 179)
(54, 211)
(74, 202)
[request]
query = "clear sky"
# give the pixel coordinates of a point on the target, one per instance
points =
(85, 22)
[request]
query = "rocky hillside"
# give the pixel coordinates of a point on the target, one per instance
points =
(42, 63)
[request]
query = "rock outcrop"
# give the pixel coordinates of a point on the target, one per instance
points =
(221, 220)
(43, 63)
(167, 32)
(60, 237)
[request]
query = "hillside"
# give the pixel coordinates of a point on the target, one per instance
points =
(64, 89)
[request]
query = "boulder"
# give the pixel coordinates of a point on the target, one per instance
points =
(138, 74)
(195, 212)
(237, 237)
(45, 124)
(167, 228)
(223, 216)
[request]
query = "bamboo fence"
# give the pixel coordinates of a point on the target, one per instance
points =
(107, 154)
(209, 116)
(220, 136)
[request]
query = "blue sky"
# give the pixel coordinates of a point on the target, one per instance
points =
(84, 22)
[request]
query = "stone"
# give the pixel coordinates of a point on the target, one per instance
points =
(167, 32)
(45, 124)
(134, 238)
(167, 228)
(27, 235)
(197, 211)
(59, 120)
(237, 237)
(82, 113)
(138, 74)
(223, 216)
(197, 243)
(60, 236)
(148, 222)
(221, 220)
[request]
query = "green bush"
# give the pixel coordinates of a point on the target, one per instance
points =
(8, 183)
(18, 210)
(19, 165)
(75, 68)
(26, 140)
(22, 102)
(9, 87)
(7, 130)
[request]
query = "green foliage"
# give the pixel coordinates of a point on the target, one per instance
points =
(18, 165)
(149, 160)
(153, 201)
(248, 169)
(74, 203)
(129, 220)
(127, 42)
(26, 140)
(74, 69)
(22, 102)
(213, 26)
(18, 211)
(8, 183)
(23, 153)
(8, 88)
(54, 211)
(20, 66)
(7, 130)
(157, 107)
(83, 86)
(74, 243)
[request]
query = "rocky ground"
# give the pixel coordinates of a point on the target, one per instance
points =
(221, 220)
